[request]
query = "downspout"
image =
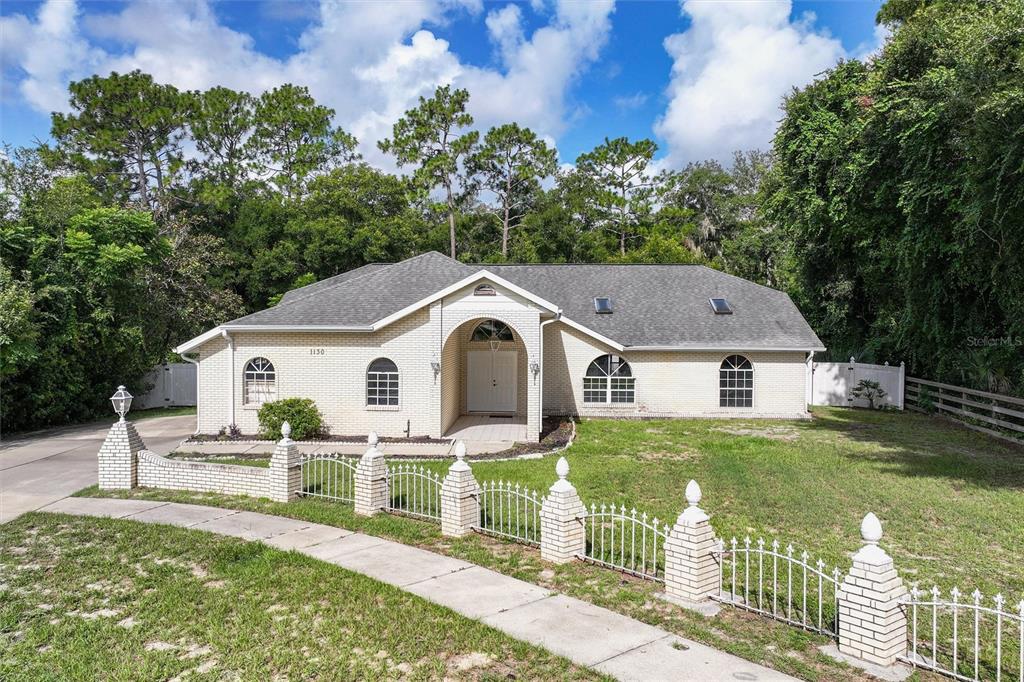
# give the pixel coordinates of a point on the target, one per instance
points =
(196, 363)
(231, 376)
(809, 381)
(540, 375)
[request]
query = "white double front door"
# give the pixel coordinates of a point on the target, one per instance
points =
(491, 379)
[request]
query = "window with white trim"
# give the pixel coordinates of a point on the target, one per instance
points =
(259, 382)
(382, 382)
(736, 382)
(609, 380)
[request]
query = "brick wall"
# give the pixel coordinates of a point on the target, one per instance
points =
(669, 383)
(155, 471)
(330, 368)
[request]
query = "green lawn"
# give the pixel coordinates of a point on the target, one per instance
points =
(951, 502)
(119, 600)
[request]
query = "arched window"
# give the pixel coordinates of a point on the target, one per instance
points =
(382, 382)
(485, 290)
(492, 330)
(609, 380)
(259, 382)
(736, 382)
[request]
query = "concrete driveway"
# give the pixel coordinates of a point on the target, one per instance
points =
(38, 469)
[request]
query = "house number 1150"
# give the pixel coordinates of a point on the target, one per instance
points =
(317, 351)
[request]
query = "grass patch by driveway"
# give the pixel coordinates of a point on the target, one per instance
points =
(85, 598)
(951, 501)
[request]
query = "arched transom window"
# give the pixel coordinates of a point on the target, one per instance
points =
(736, 382)
(259, 382)
(609, 380)
(382, 382)
(492, 330)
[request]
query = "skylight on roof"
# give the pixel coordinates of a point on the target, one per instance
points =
(602, 305)
(720, 306)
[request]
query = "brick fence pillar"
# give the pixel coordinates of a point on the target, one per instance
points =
(118, 457)
(562, 532)
(460, 497)
(872, 623)
(691, 570)
(371, 480)
(285, 475)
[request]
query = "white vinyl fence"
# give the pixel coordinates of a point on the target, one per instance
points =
(832, 383)
(174, 385)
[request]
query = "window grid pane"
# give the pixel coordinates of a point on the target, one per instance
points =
(382, 388)
(259, 382)
(595, 389)
(736, 386)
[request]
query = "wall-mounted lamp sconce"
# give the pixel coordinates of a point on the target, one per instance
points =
(535, 368)
(436, 366)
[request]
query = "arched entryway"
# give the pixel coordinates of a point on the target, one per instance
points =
(484, 381)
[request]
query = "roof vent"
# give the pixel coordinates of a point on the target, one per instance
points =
(603, 305)
(484, 290)
(720, 306)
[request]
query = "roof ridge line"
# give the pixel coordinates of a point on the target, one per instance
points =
(353, 279)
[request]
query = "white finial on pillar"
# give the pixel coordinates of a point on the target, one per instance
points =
(871, 529)
(372, 439)
(693, 493)
(693, 513)
(460, 458)
(562, 469)
(286, 431)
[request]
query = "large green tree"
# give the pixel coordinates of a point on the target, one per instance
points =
(619, 187)
(433, 136)
(900, 186)
(125, 132)
(293, 139)
(510, 163)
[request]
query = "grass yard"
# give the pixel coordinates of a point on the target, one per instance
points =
(105, 599)
(951, 502)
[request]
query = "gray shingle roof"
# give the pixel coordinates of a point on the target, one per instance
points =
(654, 305)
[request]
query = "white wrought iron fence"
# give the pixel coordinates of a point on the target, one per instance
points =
(812, 603)
(414, 491)
(510, 511)
(329, 476)
(966, 640)
(625, 541)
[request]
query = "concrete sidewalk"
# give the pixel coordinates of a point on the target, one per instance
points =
(586, 634)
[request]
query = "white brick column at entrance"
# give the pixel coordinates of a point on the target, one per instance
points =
(460, 497)
(691, 571)
(371, 480)
(872, 623)
(562, 531)
(285, 476)
(118, 457)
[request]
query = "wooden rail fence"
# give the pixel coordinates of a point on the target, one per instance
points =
(974, 409)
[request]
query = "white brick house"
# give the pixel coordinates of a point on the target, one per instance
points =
(424, 346)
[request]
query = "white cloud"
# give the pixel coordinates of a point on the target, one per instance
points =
(630, 102)
(368, 61)
(731, 68)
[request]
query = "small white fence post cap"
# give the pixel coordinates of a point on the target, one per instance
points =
(286, 430)
(562, 468)
(460, 450)
(693, 493)
(372, 439)
(871, 529)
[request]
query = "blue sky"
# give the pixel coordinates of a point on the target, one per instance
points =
(701, 78)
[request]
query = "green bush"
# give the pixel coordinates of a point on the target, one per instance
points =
(302, 413)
